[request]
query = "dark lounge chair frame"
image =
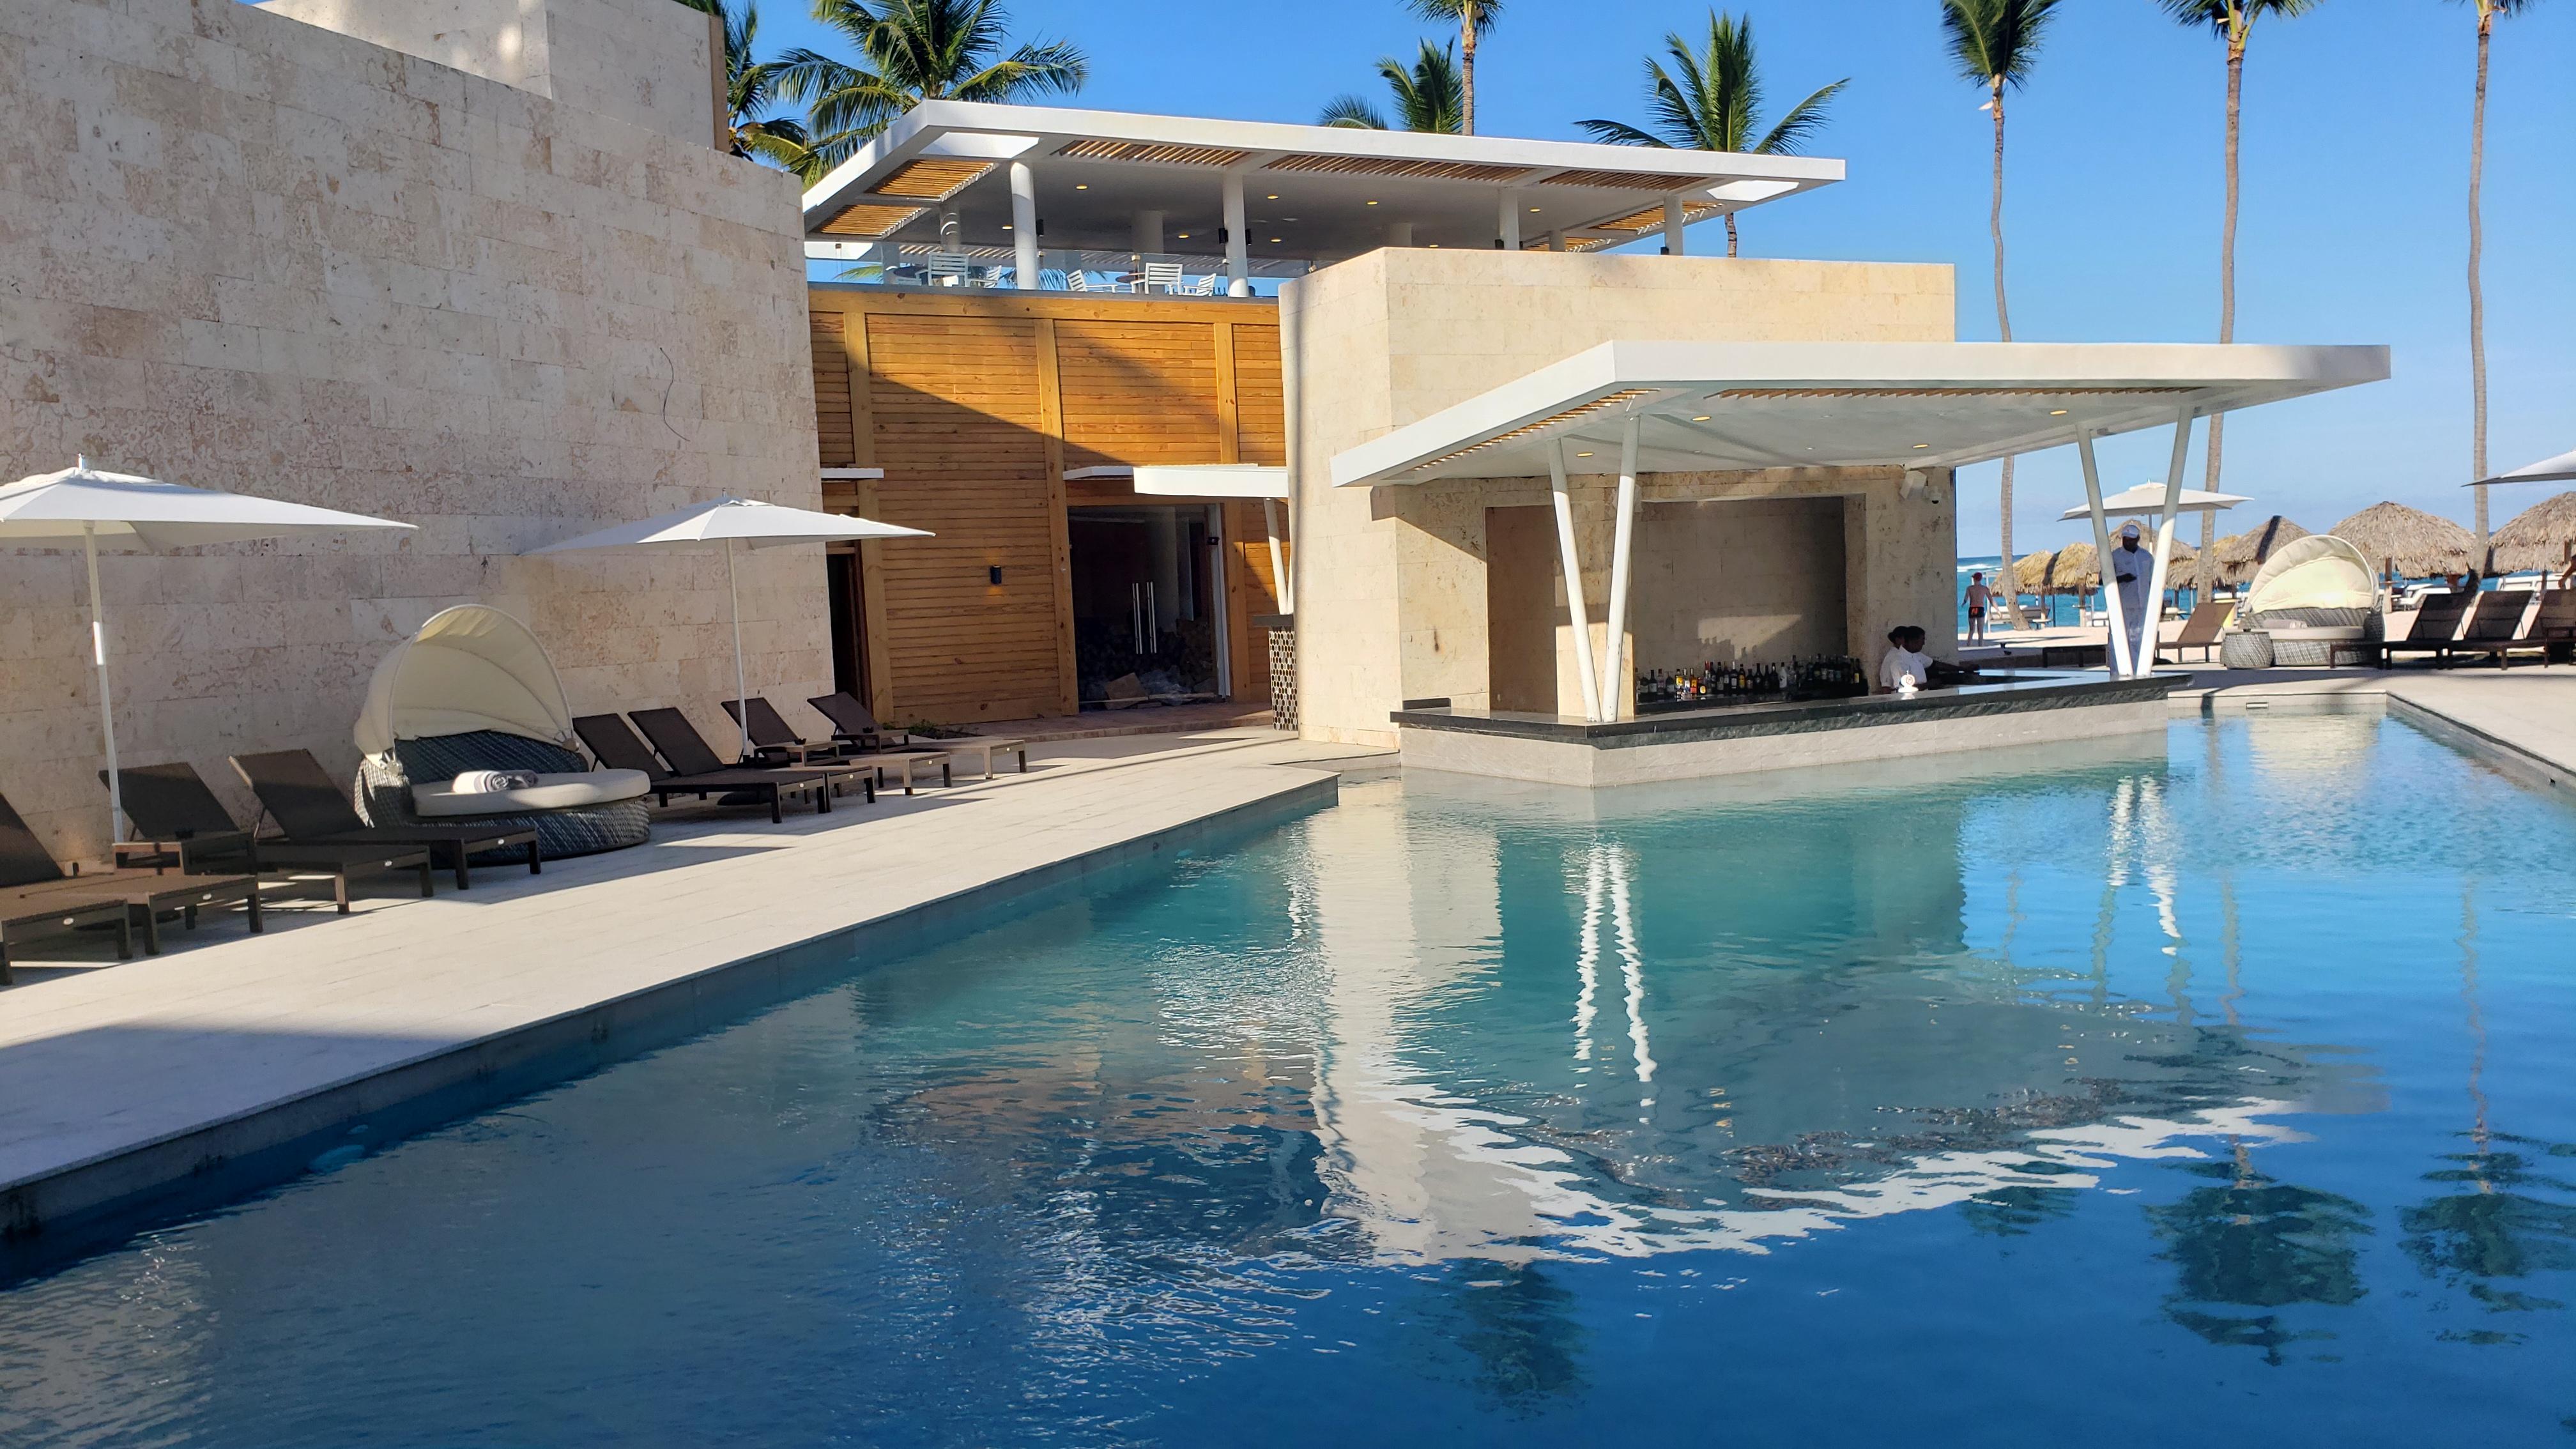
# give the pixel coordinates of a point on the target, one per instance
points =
(681, 746)
(854, 725)
(616, 745)
(185, 828)
(2435, 630)
(770, 732)
(35, 891)
(2495, 627)
(309, 808)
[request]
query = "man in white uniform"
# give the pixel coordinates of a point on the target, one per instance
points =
(2130, 572)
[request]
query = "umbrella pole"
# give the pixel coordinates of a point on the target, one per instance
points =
(106, 704)
(741, 691)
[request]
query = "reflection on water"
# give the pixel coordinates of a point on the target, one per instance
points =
(1468, 1111)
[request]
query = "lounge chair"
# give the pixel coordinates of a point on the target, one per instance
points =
(618, 747)
(854, 725)
(186, 829)
(678, 742)
(2436, 627)
(2553, 629)
(310, 808)
(2201, 630)
(35, 893)
(772, 734)
(2495, 627)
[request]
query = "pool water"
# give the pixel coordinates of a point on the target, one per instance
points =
(2212, 1084)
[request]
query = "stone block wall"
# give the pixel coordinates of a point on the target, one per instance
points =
(245, 252)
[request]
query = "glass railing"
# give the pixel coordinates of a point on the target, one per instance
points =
(1153, 274)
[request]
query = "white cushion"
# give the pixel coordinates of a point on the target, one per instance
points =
(2317, 632)
(552, 792)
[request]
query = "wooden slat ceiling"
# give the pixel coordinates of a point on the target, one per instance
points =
(1523, 431)
(932, 179)
(1097, 150)
(1393, 166)
(1652, 218)
(1632, 180)
(862, 219)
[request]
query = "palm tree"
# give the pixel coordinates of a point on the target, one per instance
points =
(1996, 43)
(1427, 97)
(751, 90)
(2233, 20)
(2488, 10)
(912, 51)
(1473, 18)
(1709, 99)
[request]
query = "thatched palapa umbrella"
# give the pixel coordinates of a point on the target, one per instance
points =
(2539, 536)
(2408, 540)
(2238, 555)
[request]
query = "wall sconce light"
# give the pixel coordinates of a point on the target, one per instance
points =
(995, 574)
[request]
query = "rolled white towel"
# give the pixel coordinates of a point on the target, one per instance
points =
(484, 782)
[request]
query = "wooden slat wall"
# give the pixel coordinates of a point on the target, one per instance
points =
(974, 417)
(1260, 404)
(1138, 392)
(956, 406)
(832, 431)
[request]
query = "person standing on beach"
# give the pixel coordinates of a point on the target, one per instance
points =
(1980, 599)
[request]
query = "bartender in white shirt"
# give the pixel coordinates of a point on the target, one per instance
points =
(1904, 659)
(2131, 569)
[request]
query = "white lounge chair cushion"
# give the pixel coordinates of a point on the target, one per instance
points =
(2315, 632)
(567, 791)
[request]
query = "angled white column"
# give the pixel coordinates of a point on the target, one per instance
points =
(1238, 265)
(1399, 233)
(1278, 565)
(1577, 613)
(2118, 660)
(1024, 226)
(1673, 222)
(1556, 240)
(1614, 676)
(1507, 221)
(2164, 544)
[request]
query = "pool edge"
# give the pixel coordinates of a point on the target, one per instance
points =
(48, 1221)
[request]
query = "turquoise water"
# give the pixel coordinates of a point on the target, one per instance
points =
(2214, 1085)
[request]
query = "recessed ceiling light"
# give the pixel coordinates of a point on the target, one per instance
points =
(1185, 236)
(1006, 226)
(1372, 203)
(1583, 455)
(1274, 196)
(2057, 412)
(1923, 445)
(1082, 186)
(1701, 418)
(1274, 238)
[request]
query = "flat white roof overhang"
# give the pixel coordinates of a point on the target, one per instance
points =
(1317, 193)
(1734, 407)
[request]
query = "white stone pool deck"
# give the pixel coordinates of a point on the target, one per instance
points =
(99, 1059)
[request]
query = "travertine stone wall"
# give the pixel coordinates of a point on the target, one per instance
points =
(1391, 587)
(240, 251)
(652, 63)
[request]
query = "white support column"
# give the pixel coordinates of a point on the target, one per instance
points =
(1278, 565)
(2119, 655)
(1149, 232)
(952, 230)
(741, 690)
(1556, 240)
(1615, 691)
(1399, 233)
(1507, 221)
(1568, 559)
(2164, 543)
(1024, 226)
(1238, 265)
(1673, 220)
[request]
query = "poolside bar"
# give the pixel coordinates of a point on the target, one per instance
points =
(1749, 522)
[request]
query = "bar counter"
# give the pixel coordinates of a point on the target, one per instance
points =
(2026, 707)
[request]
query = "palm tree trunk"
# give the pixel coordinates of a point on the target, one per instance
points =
(1467, 68)
(2477, 293)
(2202, 575)
(2003, 324)
(1730, 234)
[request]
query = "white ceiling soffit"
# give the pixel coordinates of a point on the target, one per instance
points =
(1212, 480)
(1308, 189)
(1732, 407)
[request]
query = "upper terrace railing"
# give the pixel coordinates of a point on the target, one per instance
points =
(1177, 274)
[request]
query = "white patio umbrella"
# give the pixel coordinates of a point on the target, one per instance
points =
(736, 523)
(2150, 498)
(123, 510)
(2547, 470)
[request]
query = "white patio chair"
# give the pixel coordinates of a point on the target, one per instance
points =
(950, 269)
(1163, 276)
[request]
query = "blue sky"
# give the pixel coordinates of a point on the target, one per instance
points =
(2353, 224)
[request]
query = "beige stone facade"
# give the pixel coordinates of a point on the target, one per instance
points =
(1392, 585)
(241, 251)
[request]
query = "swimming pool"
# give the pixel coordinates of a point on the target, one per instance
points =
(2210, 1084)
